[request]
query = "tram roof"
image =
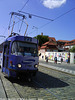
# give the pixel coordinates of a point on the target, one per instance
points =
(22, 38)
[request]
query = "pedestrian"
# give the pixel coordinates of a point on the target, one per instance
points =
(55, 60)
(46, 58)
(61, 59)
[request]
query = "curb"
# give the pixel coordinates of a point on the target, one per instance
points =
(59, 69)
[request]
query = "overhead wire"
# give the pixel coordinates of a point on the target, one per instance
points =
(24, 5)
(22, 20)
(55, 19)
(43, 17)
(36, 16)
(19, 20)
(16, 16)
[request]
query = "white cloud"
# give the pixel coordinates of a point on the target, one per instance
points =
(53, 3)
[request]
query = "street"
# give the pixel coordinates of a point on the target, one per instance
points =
(49, 84)
(64, 67)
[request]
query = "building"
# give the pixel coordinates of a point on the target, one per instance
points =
(68, 45)
(60, 45)
(56, 46)
(51, 45)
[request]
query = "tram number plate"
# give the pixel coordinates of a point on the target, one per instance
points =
(28, 65)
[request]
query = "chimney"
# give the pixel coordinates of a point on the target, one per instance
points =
(42, 33)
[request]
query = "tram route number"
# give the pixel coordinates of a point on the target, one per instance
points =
(28, 39)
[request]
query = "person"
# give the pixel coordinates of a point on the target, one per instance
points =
(61, 59)
(55, 60)
(21, 51)
(46, 59)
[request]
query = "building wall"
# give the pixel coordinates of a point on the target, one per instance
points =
(72, 58)
(42, 54)
(59, 55)
(69, 46)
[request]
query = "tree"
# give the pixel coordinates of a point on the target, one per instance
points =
(73, 49)
(42, 39)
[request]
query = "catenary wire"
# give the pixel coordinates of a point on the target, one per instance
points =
(55, 18)
(24, 5)
(36, 16)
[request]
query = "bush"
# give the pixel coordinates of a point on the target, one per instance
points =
(73, 49)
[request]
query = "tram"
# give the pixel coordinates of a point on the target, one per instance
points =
(20, 56)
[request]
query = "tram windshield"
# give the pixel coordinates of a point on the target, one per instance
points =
(24, 49)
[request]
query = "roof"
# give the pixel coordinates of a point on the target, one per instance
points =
(43, 47)
(62, 41)
(46, 43)
(69, 44)
(72, 42)
(49, 43)
(52, 38)
(52, 48)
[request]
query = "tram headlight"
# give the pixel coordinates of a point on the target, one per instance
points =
(19, 65)
(36, 66)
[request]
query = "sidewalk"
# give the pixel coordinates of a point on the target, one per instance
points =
(64, 67)
(2, 93)
(58, 62)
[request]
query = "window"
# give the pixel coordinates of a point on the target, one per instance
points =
(6, 49)
(14, 48)
(24, 49)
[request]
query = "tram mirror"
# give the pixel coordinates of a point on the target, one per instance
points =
(40, 54)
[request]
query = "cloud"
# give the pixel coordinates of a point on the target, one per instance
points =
(53, 3)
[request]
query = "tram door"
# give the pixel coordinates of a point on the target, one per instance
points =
(6, 58)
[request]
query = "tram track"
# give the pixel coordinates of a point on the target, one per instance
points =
(62, 71)
(35, 84)
(20, 95)
(57, 97)
(9, 88)
(38, 87)
(62, 79)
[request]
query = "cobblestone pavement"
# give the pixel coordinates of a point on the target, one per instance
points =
(53, 85)
(61, 84)
(2, 92)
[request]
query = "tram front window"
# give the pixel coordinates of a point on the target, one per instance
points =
(24, 49)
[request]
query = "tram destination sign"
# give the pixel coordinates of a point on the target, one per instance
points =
(28, 39)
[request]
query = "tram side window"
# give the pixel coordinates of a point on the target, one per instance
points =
(14, 48)
(6, 49)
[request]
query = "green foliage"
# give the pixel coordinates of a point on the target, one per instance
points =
(73, 49)
(42, 39)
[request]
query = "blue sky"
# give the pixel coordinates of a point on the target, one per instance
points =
(62, 28)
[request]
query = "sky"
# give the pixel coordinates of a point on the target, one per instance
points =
(62, 12)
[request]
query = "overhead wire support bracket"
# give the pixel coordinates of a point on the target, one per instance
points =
(21, 24)
(14, 13)
(37, 16)
(20, 15)
(26, 28)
